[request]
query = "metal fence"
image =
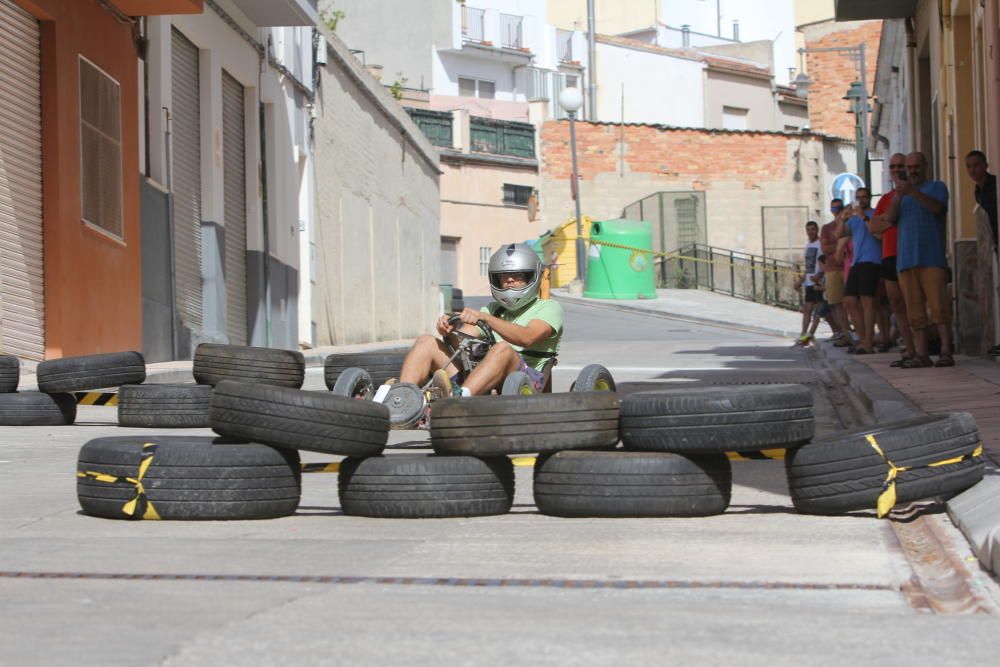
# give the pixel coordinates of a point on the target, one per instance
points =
(738, 274)
(473, 24)
(678, 218)
(511, 34)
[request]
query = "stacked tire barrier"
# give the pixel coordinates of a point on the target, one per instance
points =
(661, 453)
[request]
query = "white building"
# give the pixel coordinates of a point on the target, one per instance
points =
(229, 163)
(490, 57)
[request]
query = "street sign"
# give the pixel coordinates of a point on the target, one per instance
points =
(845, 185)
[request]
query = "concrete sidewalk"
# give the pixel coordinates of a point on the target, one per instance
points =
(703, 307)
(167, 372)
(891, 394)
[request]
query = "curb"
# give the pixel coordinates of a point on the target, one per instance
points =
(627, 308)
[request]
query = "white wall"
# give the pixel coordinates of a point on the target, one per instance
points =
(760, 19)
(658, 89)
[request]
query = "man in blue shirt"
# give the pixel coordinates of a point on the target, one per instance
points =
(920, 209)
(865, 273)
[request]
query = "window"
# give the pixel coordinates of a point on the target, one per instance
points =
(476, 88)
(516, 195)
(734, 118)
(100, 150)
(484, 260)
(792, 128)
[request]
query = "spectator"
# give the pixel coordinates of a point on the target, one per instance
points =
(808, 280)
(919, 209)
(835, 275)
(889, 232)
(821, 311)
(866, 269)
(986, 196)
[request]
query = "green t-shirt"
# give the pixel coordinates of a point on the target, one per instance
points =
(546, 310)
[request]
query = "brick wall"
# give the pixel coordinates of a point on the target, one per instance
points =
(831, 73)
(740, 172)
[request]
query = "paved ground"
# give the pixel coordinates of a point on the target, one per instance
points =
(759, 585)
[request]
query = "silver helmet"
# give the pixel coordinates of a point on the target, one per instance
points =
(515, 258)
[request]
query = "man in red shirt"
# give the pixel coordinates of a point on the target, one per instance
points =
(890, 233)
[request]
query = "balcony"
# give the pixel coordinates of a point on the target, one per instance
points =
(511, 31)
(277, 13)
(159, 7)
(493, 34)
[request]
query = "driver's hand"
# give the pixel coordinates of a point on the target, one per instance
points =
(443, 327)
(470, 316)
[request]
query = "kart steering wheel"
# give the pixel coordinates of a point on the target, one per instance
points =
(455, 322)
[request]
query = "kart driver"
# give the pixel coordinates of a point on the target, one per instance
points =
(526, 329)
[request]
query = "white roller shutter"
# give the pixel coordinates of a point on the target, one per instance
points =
(22, 298)
(235, 177)
(186, 177)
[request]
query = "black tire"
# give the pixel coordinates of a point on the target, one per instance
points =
(845, 473)
(594, 377)
(517, 384)
(632, 484)
(381, 365)
(164, 405)
(190, 478)
(425, 486)
(499, 425)
(262, 365)
(33, 408)
(354, 383)
(313, 420)
(93, 371)
(711, 420)
(10, 373)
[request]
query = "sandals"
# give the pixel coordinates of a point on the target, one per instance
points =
(917, 362)
(899, 362)
(944, 360)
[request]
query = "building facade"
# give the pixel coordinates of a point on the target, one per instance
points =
(70, 237)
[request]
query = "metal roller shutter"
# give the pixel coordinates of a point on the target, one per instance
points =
(235, 177)
(22, 298)
(186, 177)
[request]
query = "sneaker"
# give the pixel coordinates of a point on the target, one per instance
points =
(444, 386)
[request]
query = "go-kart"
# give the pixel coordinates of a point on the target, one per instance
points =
(409, 404)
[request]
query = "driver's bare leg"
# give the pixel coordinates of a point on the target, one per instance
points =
(426, 356)
(499, 362)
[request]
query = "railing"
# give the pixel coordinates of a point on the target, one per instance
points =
(436, 125)
(473, 24)
(511, 31)
(564, 45)
(738, 274)
(500, 137)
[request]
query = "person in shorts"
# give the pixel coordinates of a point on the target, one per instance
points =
(828, 236)
(811, 297)
(527, 331)
(865, 273)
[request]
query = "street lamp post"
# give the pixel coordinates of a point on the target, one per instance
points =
(801, 84)
(570, 99)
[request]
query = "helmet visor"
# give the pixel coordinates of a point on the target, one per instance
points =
(511, 279)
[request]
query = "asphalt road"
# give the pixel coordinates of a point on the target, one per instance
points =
(759, 585)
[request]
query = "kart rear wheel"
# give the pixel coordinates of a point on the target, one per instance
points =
(594, 377)
(354, 383)
(518, 384)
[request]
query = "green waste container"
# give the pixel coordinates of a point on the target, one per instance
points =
(620, 273)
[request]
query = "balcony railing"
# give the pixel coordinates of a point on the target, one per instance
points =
(511, 32)
(436, 125)
(499, 137)
(473, 24)
(564, 46)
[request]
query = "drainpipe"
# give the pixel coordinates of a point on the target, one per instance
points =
(591, 64)
(911, 87)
